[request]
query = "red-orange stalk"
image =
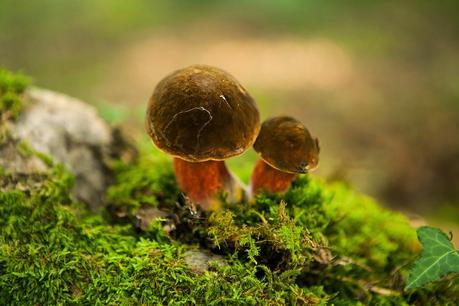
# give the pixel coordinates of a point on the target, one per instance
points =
(202, 181)
(267, 178)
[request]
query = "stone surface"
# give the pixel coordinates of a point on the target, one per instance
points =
(199, 260)
(71, 132)
(146, 215)
(11, 160)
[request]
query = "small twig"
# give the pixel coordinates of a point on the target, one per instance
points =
(347, 260)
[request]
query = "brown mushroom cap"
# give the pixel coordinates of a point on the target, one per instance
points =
(202, 113)
(286, 144)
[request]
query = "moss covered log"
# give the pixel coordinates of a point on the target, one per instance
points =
(317, 244)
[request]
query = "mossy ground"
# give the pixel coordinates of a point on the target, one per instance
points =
(11, 86)
(317, 244)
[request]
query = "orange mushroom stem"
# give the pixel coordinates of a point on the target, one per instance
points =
(286, 148)
(203, 181)
(267, 178)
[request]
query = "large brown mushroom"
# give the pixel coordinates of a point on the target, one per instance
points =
(201, 116)
(286, 148)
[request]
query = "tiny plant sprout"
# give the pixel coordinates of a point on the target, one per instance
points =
(201, 116)
(286, 148)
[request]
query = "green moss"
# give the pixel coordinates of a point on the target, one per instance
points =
(148, 187)
(11, 87)
(317, 243)
(52, 251)
(25, 150)
(322, 235)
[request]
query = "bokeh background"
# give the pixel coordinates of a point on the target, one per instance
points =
(376, 81)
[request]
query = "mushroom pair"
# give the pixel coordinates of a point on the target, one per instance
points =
(202, 116)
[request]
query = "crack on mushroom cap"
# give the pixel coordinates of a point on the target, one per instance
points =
(198, 134)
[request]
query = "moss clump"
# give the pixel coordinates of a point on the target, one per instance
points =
(11, 88)
(153, 186)
(316, 244)
(52, 251)
(324, 244)
(323, 236)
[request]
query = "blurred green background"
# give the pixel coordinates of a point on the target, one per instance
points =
(376, 81)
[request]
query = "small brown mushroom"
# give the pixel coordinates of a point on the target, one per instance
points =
(201, 116)
(286, 148)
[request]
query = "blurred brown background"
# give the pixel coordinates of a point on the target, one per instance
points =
(376, 81)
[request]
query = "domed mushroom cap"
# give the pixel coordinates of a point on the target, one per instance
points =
(286, 144)
(202, 113)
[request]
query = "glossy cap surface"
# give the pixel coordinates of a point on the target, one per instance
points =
(286, 144)
(202, 113)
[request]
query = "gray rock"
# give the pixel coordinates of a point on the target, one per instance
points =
(199, 260)
(146, 215)
(71, 132)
